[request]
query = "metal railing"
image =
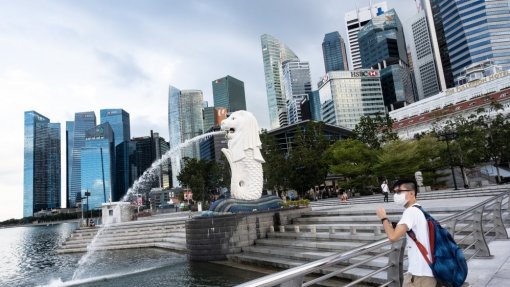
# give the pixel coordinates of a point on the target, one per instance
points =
(471, 228)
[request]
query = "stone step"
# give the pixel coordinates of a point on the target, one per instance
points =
(351, 274)
(161, 236)
(326, 236)
(311, 245)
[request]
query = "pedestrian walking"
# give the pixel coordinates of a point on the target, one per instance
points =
(419, 272)
(385, 190)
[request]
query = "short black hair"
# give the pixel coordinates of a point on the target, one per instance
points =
(410, 183)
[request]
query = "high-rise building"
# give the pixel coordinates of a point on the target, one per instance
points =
(185, 122)
(427, 76)
(41, 165)
(354, 21)
(274, 53)
(334, 53)
(296, 85)
(120, 124)
(82, 122)
(213, 117)
(346, 96)
(476, 31)
(98, 166)
(69, 158)
(382, 47)
(434, 16)
(228, 92)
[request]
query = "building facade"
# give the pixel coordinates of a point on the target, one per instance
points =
(274, 53)
(98, 166)
(354, 21)
(476, 31)
(311, 107)
(185, 122)
(346, 96)
(228, 92)
(41, 164)
(120, 124)
(334, 53)
(461, 101)
(428, 78)
(83, 121)
(382, 47)
(296, 84)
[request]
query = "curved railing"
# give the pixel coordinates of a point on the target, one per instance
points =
(467, 227)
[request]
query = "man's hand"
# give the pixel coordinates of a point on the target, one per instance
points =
(381, 212)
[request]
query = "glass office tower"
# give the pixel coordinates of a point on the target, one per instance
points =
(383, 47)
(82, 122)
(274, 53)
(185, 121)
(97, 166)
(69, 158)
(41, 165)
(120, 124)
(476, 31)
(334, 53)
(228, 92)
(296, 85)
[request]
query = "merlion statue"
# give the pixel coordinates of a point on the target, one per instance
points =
(243, 155)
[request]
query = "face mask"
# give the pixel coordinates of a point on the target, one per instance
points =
(400, 199)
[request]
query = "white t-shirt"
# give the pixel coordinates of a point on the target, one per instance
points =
(415, 220)
(385, 188)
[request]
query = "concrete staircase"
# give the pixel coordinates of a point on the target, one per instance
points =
(161, 232)
(333, 228)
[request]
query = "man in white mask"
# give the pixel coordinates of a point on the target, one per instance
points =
(419, 272)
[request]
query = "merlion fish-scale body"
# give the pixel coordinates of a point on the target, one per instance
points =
(243, 155)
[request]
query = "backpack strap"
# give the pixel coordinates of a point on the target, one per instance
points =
(420, 246)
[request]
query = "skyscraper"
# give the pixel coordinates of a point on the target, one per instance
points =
(228, 92)
(476, 31)
(354, 21)
(429, 80)
(41, 176)
(69, 158)
(120, 124)
(185, 122)
(382, 46)
(434, 16)
(274, 53)
(97, 165)
(296, 85)
(346, 96)
(334, 53)
(82, 122)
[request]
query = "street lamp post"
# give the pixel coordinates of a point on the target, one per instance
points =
(87, 194)
(447, 137)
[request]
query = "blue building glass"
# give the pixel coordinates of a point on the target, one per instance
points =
(334, 53)
(41, 166)
(120, 124)
(97, 165)
(69, 158)
(228, 92)
(315, 105)
(382, 47)
(476, 31)
(82, 122)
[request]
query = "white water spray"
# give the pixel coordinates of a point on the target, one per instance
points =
(147, 176)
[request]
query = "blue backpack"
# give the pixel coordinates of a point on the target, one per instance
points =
(448, 263)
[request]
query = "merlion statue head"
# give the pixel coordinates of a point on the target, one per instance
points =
(242, 134)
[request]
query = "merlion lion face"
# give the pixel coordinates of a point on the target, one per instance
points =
(235, 123)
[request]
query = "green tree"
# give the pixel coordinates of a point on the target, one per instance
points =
(202, 176)
(354, 160)
(275, 166)
(375, 131)
(306, 160)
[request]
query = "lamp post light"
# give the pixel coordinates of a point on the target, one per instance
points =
(447, 136)
(87, 194)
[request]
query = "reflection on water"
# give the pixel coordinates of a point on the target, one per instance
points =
(28, 258)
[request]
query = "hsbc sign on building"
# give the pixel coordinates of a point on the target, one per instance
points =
(364, 73)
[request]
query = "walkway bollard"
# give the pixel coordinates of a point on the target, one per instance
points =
(296, 228)
(271, 229)
(282, 228)
(313, 229)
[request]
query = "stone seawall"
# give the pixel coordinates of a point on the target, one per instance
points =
(212, 238)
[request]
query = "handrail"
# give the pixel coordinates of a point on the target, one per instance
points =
(294, 276)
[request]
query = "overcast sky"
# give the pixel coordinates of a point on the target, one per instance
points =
(62, 57)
